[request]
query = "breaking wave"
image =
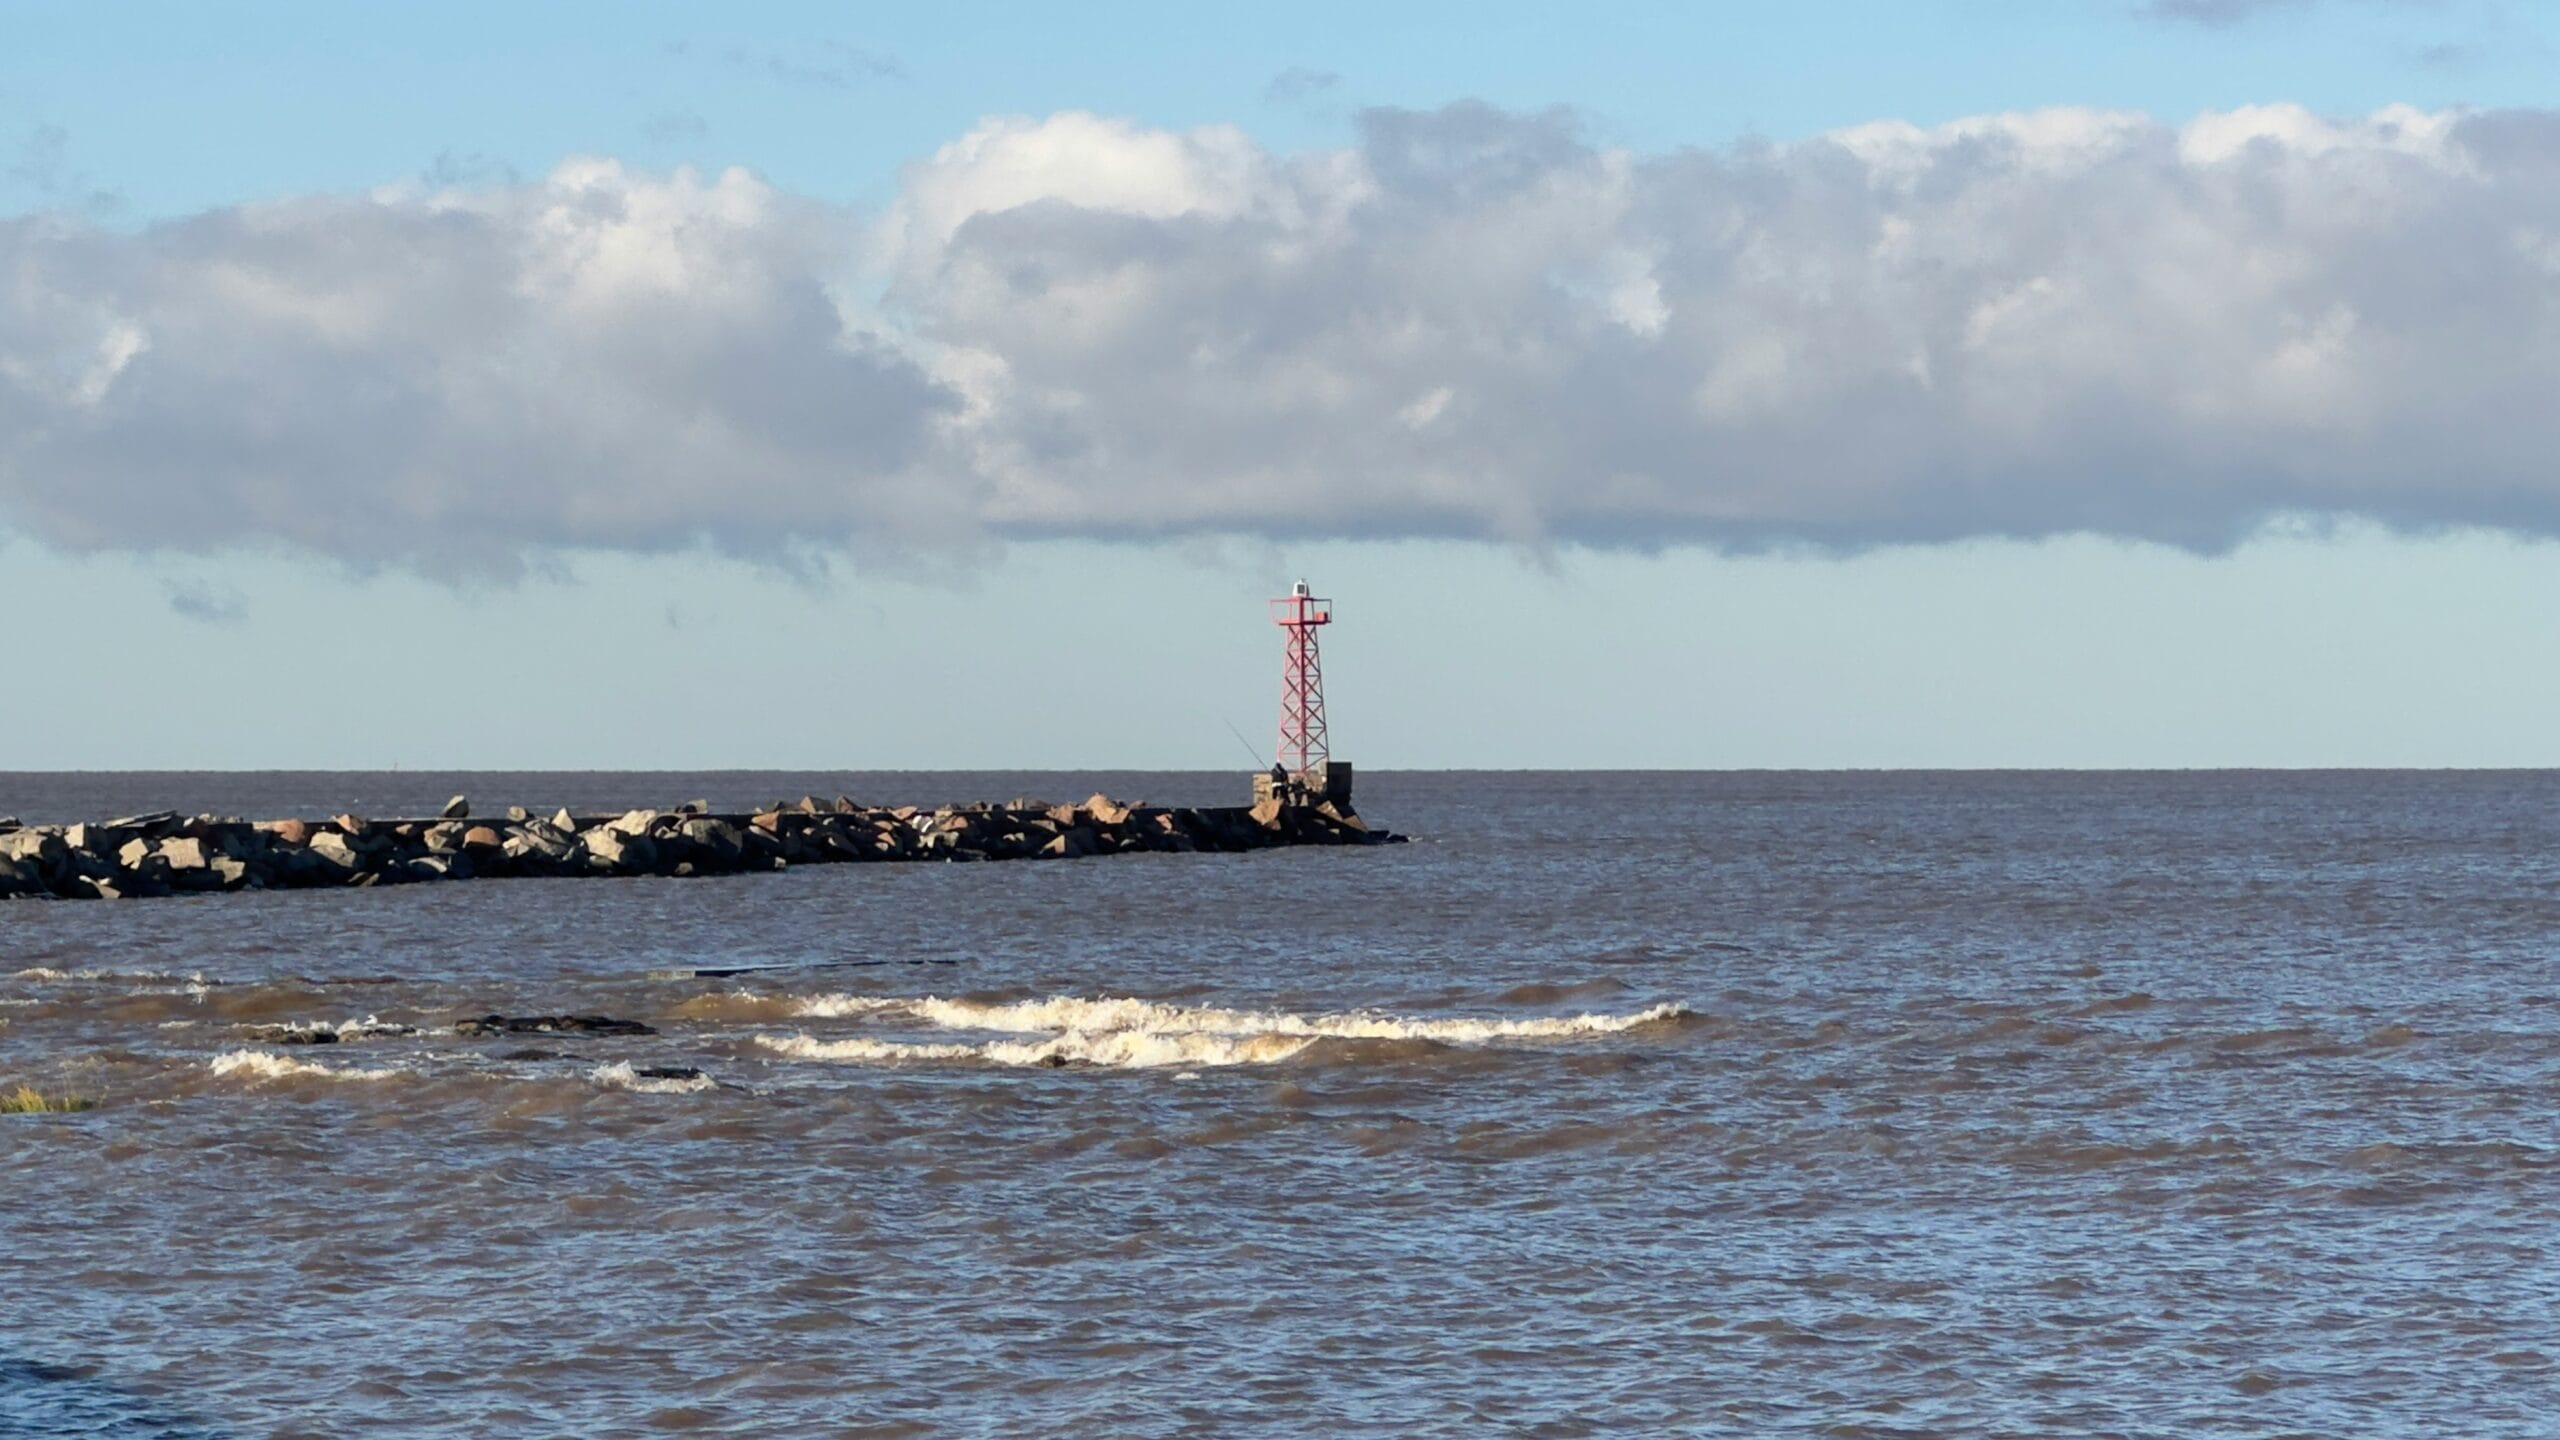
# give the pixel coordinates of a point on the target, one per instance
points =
(193, 979)
(267, 1065)
(1119, 1049)
(1143, 1034)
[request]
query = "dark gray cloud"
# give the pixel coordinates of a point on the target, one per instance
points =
(1471, 323)
(2214, 14)
(2229, 14)
(1299, 83)
(829, 64)
(206, 602)
(42, 163)
(451, 169)
(823, 64)
(671, 127)
(42, 167)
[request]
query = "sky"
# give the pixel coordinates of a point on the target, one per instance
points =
(2128, 383)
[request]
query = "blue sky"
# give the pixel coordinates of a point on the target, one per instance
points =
(229, 554)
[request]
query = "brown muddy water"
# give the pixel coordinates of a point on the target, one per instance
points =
(1757, 1104)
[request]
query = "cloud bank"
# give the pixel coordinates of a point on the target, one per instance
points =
(1471, 323)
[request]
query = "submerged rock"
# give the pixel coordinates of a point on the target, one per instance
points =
(293, 1035)
(551, 1025)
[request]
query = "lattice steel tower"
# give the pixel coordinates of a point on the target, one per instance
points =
(1302, 750)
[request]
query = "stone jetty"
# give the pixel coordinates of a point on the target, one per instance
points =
(173, 854)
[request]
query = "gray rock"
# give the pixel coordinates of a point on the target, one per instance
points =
(31, 845)
(539, 840)
(184, 853)
(336, 849)
(457, 808)
(550, 1025)
(618, 849)
(717, 835)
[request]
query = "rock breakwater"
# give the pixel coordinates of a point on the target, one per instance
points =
(168, 853)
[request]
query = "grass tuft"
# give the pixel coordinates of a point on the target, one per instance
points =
(28, 1100)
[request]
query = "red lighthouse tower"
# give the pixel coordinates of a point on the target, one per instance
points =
(1303, 762)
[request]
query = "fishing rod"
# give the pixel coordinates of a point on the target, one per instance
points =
(1247, 744)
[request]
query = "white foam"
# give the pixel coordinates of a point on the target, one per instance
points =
(809, 1047)
(194, 979)
(1070, 1013)
(839, 1006)
(620, 1076)
(1130, 1033)
(1122, 1049)
(364, 1029)
(267, 1065)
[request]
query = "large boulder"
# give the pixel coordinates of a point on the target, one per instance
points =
(457, 808)
(718, 837)
(1344, 816)
(40, 846)
(1073, 843)
(338, 850)
(544, 842)
(21, 877)
(184, 853)
(609, 848)
(635, 822)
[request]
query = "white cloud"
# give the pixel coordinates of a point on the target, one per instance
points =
(452, 379)
(1469, 323)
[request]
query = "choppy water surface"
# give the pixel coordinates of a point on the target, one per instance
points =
(1748, 1104)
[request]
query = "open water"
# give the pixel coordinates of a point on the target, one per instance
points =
(1701, 1104)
